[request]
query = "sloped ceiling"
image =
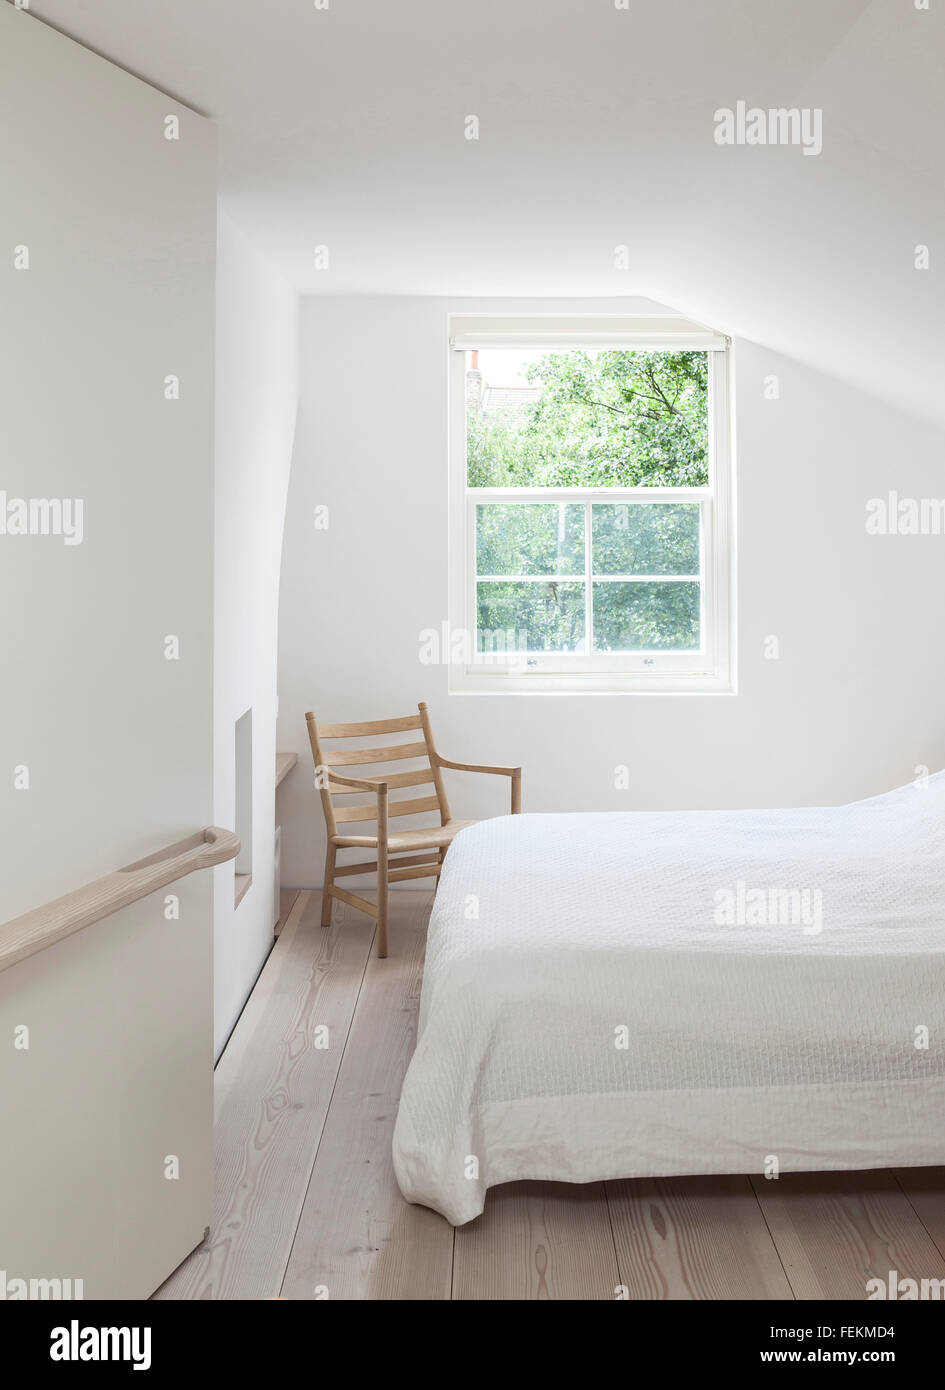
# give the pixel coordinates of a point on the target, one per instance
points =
(345, 127)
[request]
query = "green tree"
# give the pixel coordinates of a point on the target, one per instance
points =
(616, 418)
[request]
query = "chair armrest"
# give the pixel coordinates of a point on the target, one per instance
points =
(359, 784)
(514, 772)
(380, 789)
(475, 767)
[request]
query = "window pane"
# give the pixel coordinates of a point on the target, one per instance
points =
(646, 538)
(544, 617)
(646, 617)
(529, 538)
(586, 417)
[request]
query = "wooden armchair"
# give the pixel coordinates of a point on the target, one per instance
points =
(434, 840)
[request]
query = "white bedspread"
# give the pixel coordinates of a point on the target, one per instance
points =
(622, 995)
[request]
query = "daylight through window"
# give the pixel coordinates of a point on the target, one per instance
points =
(594, 522)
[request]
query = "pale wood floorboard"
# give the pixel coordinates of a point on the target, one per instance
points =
(357, 1237)
(835, 1231)
(925, 1189)
(272, 1090)
(538, 1240)
(694, 1238)
(307, 1200)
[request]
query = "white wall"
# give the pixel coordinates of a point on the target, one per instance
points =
(120, 224)
(852, 706)
(256, 399)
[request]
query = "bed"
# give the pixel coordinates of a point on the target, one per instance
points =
(623, 995)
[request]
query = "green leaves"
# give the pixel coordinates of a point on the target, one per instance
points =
(614, 418)
(530, 538)
(645, 537)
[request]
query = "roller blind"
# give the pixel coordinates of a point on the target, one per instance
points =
(599, 330)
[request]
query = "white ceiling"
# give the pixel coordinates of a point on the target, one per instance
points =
(344, 127)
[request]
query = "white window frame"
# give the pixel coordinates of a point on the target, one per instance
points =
(711, 670)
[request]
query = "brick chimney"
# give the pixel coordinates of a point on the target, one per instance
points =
(474, 382)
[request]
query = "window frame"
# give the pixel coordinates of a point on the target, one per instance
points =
(709, 671)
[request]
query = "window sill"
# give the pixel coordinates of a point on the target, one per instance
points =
(465, 682)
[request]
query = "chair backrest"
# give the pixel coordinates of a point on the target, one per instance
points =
(351, 760)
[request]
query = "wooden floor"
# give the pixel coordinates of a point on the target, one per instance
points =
(307, 1205)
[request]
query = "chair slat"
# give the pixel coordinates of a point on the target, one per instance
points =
(432, 870)
(370, 727)
(395, 862)
(414, 807)
(353, 900)
(356, 812)
(419, 777)
(390, 753)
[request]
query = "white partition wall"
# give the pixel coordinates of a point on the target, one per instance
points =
(256, 403)
(106, 400)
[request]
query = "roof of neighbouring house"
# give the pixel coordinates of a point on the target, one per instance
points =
(515, 396)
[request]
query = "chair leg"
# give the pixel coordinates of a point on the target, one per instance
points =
(382, 893)
(441, 855)
(329, 881)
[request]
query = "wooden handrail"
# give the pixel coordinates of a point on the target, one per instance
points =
(44, 926)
